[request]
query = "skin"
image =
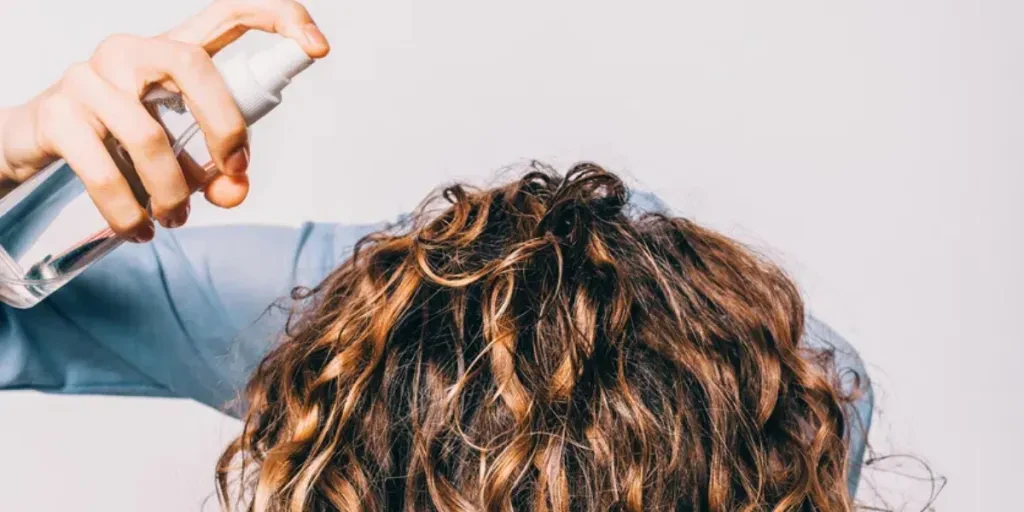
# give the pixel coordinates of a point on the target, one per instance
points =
(101, 97)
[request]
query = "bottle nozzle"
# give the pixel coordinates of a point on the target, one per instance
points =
(256, 81)
(275, 66)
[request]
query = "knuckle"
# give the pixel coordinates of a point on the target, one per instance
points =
(114, 44)
(173, 201)
(274, 3)
(295, 10)
(55, 110)
(285, 11)
(147, 139)
(166, 203)
(105, 185)
(125, 223)
(227, 135)
(76, 74)
(191, 56)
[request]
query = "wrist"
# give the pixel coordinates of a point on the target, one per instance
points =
(20, 153)
(10, 118)
(6, 174)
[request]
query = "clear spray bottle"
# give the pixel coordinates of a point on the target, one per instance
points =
(49, 229)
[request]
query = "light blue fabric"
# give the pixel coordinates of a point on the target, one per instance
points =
(188, 315)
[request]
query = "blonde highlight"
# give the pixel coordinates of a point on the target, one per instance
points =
(540, 346)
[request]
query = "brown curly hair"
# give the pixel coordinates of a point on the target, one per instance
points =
(543, 346)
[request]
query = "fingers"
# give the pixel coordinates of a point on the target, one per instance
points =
(226, 20)
(143, 138)
(69, 132)
(102, 96)
(209, 99)
(131, 63)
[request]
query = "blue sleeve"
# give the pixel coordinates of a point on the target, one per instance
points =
(187, 315)
(856, 383)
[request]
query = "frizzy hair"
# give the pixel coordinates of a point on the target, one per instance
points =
(542, 346)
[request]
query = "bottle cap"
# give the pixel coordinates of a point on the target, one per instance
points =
(256, 81)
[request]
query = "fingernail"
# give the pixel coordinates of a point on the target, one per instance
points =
(145, 233)
(313, 35)
(179, 217)
(238, 161)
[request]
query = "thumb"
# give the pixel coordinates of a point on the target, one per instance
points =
(227, 191)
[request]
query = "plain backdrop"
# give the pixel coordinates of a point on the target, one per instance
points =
(872, 147)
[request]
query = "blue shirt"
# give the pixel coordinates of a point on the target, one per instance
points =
(191, 314)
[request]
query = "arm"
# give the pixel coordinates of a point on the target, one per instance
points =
(185, 316)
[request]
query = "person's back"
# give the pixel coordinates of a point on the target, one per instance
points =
(543, 346)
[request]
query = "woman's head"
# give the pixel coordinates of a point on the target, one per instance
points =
(540, 346)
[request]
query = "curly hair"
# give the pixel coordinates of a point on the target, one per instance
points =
(543, 346)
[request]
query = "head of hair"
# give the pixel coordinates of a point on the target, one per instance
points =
(544, 346)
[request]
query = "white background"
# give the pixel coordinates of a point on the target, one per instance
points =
(872, 146)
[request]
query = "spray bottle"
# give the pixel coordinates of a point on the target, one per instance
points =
(49, 229)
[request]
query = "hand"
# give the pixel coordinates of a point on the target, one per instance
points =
(101, 96)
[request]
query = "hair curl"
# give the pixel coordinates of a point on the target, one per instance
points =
(541, 346)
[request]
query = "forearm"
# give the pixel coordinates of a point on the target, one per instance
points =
(185, 315)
